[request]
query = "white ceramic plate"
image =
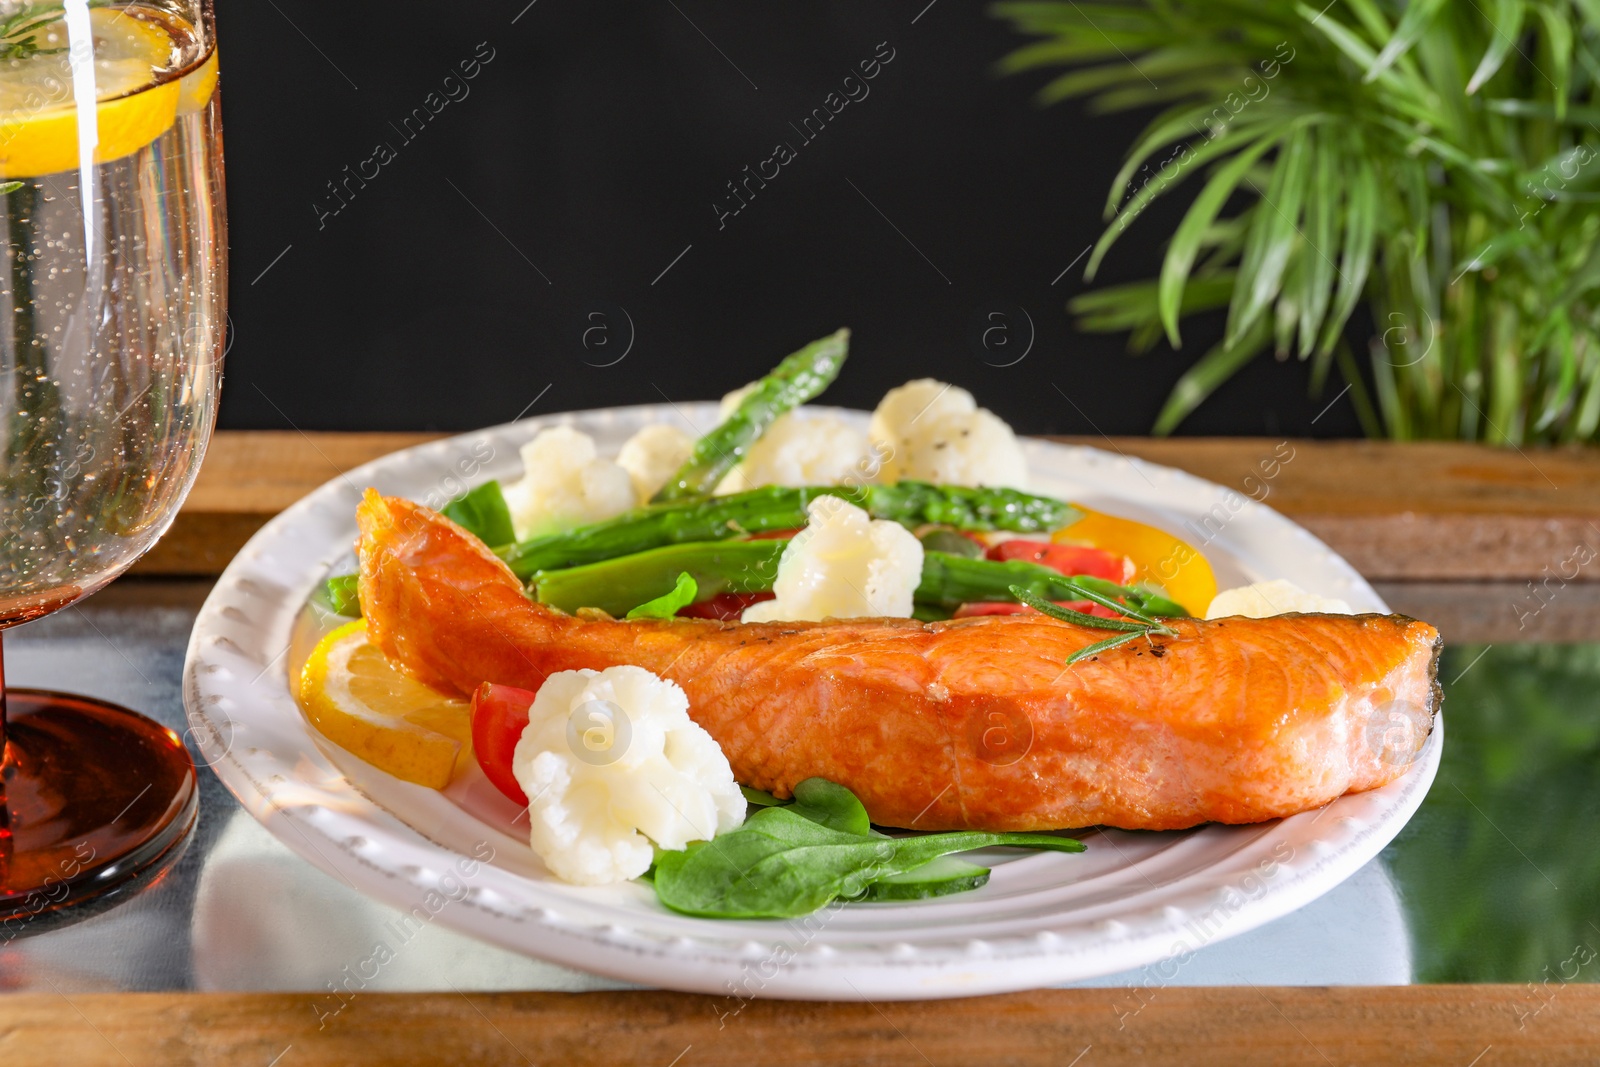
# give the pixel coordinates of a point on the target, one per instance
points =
(1044, 918)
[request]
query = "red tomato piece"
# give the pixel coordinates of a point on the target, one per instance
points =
(499, 715)
(724, 607)
(775, 535)
(1068, 559)
(999, 607)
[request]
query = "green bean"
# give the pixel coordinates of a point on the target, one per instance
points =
(482, 512)
(341, 594)
(617, 585)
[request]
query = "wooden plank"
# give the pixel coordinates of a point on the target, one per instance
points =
(1415, 511)
(1501, 612)
(1423, 511)
(1382, 477)
(1450, 1026)
(248, 477)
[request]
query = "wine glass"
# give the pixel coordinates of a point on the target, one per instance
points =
(112, 296)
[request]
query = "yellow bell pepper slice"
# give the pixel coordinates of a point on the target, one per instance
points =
(1159, 559)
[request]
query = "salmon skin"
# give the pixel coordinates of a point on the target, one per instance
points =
(967, 724)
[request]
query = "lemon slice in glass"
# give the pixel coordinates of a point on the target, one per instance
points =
(358, 701)
(194, 91)
(132, 53)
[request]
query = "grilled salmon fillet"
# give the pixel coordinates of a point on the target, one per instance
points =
(968, 724)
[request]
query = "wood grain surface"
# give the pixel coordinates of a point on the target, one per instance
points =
(1424, 1026)
(1414, 511)
(1419, 518)
(247, 478)
(1424, 511)
(1500, 612)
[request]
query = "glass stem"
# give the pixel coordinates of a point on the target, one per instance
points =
(6, 762)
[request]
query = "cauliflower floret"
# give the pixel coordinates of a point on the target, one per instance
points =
(611, 761)
(564, 484)
(935, 432)
(843, 565)
(653, 455)
(1265, 599)
(971, 448)
(904, 406)
(801, 447)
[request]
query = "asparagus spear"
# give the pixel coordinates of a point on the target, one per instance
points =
(949, 581)
(917, 503)
(778, 508)
(616, 585)
(799, 378)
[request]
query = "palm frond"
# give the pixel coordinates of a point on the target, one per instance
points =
(1439, 161)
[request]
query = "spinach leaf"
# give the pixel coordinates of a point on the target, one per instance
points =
(780, 864)
(483, 513)
(760, 798)
(821, 801)
(669, 603)
(831, 805)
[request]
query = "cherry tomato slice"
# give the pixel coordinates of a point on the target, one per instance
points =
(775, 535)
(499, 715)
(724, 607)
(1068, 559)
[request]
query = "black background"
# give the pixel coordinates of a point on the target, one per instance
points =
(452, 288)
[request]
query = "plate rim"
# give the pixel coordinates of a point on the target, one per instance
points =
(900, 971)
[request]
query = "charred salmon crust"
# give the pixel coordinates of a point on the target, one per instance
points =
(974, 723)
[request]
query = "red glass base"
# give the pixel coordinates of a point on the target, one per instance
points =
(94, 793)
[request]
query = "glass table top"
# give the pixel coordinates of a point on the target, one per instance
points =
(1495, 880)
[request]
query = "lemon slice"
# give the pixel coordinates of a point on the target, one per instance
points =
(194, 91)
(38, 119)
(361, 703)
(1158, 558)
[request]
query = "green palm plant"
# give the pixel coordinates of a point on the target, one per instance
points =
(1437, 159)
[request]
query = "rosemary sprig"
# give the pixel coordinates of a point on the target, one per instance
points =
(26, 48)
(1141, 625)
(17, 40)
